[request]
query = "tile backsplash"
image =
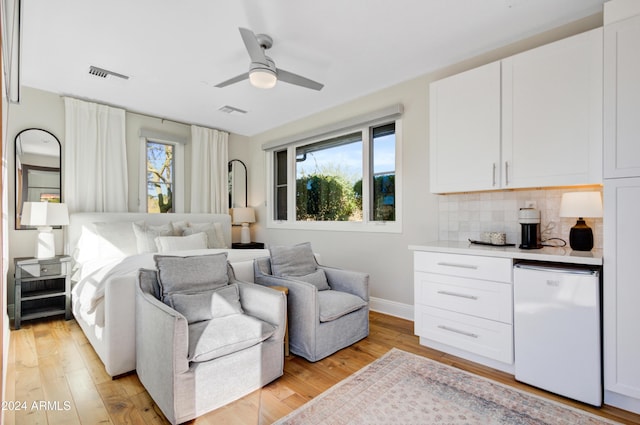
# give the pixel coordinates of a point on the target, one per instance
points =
(467, 215)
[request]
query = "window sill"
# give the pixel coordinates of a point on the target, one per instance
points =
(344, 226)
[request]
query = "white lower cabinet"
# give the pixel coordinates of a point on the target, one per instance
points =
(465, 302)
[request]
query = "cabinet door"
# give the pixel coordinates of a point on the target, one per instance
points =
(552, 114)
(621, 286)
(622, 99)
(465, 131)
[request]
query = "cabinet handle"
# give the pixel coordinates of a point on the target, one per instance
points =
(459, 295)
(461, 266)
(494, 174)
(458, 331)
(44, 270)
(506, 172)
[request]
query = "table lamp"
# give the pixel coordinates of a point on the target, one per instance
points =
(581, 204)
(44, 215)
(244, 216)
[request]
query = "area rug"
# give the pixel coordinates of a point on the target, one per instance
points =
(403, 388)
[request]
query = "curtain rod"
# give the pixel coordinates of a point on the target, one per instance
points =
(86, 99)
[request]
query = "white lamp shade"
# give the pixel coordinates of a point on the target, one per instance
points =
(243, 215)
(44, 214)
(581, 204)
(262, 78)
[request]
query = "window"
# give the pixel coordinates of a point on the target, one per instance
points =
(347, 181)
(161, 176)
(383, 161)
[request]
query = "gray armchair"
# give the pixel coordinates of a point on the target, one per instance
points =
(321, 321)
(192, 368)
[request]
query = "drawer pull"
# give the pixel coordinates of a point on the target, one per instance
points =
(459, 295)
(458, 331)
(459, 265)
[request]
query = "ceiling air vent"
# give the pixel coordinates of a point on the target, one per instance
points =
(230, 109)
(104, 73)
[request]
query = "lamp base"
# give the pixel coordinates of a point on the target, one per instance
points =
(245, 233)
(581, 236)
(46, 243)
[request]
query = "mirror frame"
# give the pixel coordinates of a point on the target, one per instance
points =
(233, 190)
(33, 167)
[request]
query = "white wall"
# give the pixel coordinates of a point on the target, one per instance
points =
(386, 256)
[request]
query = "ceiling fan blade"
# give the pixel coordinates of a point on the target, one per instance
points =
(298, 80)
(256, 53)
(233, 80)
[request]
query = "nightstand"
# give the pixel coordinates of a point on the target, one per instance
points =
(42, 288)
(250, 245)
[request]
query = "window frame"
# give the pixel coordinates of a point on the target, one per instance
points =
(178, 174)
(366, 225)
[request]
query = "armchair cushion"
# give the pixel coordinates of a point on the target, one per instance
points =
(335, 304)
(208, 305)
(294, 260)
(225, 335)
(190, 274)
(317, 279)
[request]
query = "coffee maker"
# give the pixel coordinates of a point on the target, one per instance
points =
(529, 219)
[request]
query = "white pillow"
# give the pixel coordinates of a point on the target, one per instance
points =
(179, 227)
(215, 235)
(181, 243)
(116, 239)
(146, 235)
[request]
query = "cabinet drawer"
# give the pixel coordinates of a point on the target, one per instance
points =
(484, 337)
(42, 269)
(480, 298)
(471, 266)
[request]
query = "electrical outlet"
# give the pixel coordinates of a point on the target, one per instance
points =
(530, 204)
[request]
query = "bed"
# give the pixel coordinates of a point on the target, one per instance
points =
(109, 248)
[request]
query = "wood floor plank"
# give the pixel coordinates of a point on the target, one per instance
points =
(98, 399)
(88, 403)
(93, 364)
(121, 408)
(58, 401)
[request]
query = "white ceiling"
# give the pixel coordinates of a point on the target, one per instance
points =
(175, 52)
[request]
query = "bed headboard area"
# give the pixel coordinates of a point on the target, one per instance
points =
(84, 225)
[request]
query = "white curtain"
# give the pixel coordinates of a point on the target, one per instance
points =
(209, 172)
(95, 166)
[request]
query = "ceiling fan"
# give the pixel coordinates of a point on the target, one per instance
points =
(262, 70)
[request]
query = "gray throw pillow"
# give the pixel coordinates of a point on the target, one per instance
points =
(294, 260)
(317, 278)
(208, 305)
(191, 274)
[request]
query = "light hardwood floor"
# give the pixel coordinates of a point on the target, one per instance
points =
(52, 361)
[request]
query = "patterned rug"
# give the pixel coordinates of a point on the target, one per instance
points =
(403, 388)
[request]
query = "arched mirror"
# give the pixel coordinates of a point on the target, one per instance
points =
(237, 184)
(37, 169)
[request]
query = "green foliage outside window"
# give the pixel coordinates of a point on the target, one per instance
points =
(325, 198)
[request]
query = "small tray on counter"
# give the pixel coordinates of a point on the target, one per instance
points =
(490, 244)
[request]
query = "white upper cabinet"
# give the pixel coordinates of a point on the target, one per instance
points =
(622, 98)
(465, 131)
(531, 120)
(552, 114)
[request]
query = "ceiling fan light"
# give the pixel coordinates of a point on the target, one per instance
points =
(262, 78)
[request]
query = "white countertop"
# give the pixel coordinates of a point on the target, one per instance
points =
(558, 255)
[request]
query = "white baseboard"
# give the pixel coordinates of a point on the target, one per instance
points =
(392, 308)
(622, 401)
